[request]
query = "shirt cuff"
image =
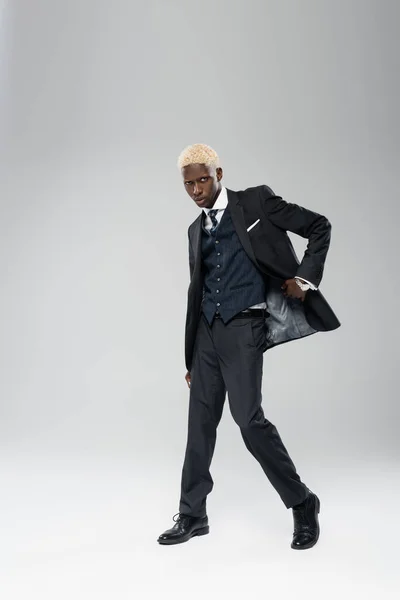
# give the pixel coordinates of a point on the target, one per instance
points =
(312, 286)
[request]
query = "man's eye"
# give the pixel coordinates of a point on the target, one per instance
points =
(204, 178)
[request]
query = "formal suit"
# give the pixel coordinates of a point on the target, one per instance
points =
(224, 353)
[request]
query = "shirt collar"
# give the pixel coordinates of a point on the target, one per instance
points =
(221, 201)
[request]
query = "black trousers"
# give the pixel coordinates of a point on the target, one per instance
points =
(229, 358)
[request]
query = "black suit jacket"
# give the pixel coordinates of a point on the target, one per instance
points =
(270, 249)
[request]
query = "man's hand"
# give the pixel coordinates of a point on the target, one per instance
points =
(187, 377)
(290, 288)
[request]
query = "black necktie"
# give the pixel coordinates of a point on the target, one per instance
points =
(211, 214)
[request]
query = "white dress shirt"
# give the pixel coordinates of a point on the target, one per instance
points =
(220, 205)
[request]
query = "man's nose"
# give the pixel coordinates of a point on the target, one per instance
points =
(197, 191)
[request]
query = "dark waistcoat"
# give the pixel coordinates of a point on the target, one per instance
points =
(231, 281)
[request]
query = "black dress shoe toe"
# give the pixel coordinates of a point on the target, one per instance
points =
(306, 525)
(185, 528)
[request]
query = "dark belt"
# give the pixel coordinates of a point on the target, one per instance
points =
(249, 312)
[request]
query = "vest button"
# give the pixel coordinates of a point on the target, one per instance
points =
(218, 253)
(218, 304)
(218, 266)
(217, 291)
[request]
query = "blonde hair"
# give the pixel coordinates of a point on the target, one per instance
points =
(198, 154)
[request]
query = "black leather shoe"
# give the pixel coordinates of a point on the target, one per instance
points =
(185, 528)
(306, 526)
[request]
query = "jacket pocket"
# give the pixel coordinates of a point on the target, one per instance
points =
(255, 224)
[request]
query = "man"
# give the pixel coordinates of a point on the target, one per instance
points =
(247, 293)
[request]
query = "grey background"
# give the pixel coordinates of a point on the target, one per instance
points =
(97, 100)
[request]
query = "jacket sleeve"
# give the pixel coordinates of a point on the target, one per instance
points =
(306, 223)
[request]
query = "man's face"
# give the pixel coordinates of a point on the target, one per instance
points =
(202, 183)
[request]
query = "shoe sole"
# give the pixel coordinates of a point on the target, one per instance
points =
(315, 540)
(202, 531)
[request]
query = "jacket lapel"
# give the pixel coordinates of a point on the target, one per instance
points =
(196, 243)
(239, 223)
